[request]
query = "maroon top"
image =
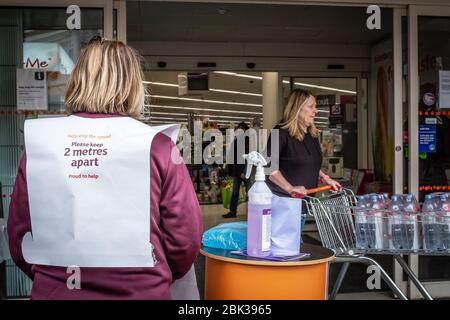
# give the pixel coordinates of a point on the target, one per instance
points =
(176, 229)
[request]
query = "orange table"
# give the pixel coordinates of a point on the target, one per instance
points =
(232, 277)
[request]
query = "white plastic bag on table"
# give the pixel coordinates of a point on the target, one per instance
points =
(185, 288)
(286, 221)
(4, 251)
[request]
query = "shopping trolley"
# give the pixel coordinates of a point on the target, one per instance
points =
(336, 217)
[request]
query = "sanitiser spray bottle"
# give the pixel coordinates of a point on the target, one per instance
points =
(259, 208)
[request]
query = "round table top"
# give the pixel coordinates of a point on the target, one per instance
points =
(318, 255)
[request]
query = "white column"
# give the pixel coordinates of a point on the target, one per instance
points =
(362, 128)
(271, 99)
(108, 19)
(121, 6)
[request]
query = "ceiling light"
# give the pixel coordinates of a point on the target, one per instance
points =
(211, 89)
(206, 100)
(161, 84)
(203, 109)
(201, 115)
(242, 75)
(323, 88)
(237, 92)
(285, 81)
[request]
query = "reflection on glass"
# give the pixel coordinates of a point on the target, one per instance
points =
(434, 113)
(434, 124)
(50, 46)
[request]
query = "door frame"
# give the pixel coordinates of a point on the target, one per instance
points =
(436, 288)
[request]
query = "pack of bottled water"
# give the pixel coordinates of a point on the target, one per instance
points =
(371, 223)
(436, 222)
(398, 223)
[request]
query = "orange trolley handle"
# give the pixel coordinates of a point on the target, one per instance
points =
(310, 191)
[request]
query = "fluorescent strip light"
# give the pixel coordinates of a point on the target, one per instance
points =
(237, 92)
(167, 118)
(238, 75)
(225, 121)
(323, 88)
(161, 84)
(184, 122)
(225, 117)
(205, 100)
(286, 81)
(163, 121)
(204, 109)
(202, 115)
(211, 89)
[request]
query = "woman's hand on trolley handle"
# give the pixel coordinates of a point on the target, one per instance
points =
(336, 186)
(298, 190)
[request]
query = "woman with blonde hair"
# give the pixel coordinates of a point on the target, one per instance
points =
(298, 164)
(102, 208)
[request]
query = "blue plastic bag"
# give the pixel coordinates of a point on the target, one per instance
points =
(228, 236)
(286, 226)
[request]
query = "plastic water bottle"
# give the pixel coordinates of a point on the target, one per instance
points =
(384, 199)
(259, 209)
(363, 238)
(414, 201)
(411, 209)
(444, 219)
(430, 226)
(376, 223)
(387, 201)
(396, 227)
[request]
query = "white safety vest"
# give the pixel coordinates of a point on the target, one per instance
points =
(89, 191)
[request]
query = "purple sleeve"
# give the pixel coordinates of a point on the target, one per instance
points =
(19, 221)
(180, 214)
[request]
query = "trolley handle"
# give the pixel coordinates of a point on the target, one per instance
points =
(310, 191)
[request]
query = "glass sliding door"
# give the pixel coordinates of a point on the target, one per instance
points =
(434, 123)
(429, 123)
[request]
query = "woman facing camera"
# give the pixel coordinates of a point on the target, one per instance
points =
(102, 207)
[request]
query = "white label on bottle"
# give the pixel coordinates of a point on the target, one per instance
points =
(266, 229)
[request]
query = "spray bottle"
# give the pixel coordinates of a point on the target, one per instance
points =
(259, 208)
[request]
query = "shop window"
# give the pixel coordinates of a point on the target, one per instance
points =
(49, 45)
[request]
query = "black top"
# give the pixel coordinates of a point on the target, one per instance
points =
(299, 161)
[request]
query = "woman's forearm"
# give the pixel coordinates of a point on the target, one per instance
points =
(323, 177)
(278, 178)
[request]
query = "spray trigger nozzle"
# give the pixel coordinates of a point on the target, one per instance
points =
(255, 159)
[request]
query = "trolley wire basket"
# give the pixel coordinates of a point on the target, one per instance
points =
(353, 234)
